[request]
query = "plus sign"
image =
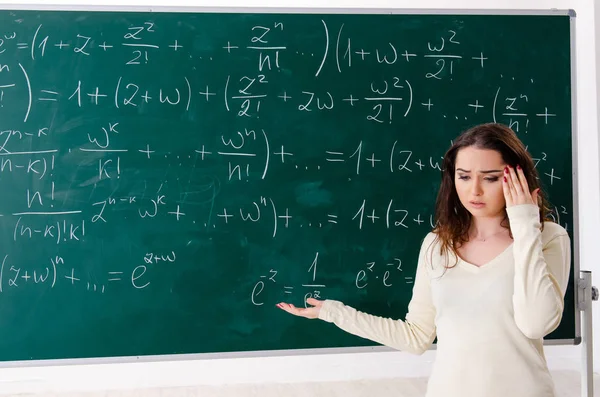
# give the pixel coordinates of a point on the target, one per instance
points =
(96, 95)
(230, 47)
(206, 94)
(61, 45)
(225, 215)
(147, 151)
(418, 220)
(177, 213)
(104, 46)
(287, 217)
(175, 46)
(26, 277)
(146, 97)
(202, 152)
(351, 100)
(407, 55)
(372, 159)
(480, 58)
(545, 114)
(476, 105)
(283, 154)
(372, 216)
(362, 54)
(72, 277)
(428, 104)
(420, 164)
(285, 97)
(552, 176)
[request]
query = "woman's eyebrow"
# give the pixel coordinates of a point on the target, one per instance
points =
(481, 172)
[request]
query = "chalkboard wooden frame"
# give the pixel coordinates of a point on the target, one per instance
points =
(320, 351)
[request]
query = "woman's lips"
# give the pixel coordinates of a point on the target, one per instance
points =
(477, 204)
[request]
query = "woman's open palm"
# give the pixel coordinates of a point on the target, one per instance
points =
(309, 312)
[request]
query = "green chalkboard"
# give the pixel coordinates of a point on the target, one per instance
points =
(168, 177)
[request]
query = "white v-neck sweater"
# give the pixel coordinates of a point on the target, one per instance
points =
(490, 320)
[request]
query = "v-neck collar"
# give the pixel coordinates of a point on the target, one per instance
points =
(475, 269)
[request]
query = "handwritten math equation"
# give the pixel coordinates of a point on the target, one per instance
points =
(242, 96)
(243, 152)
(55, 272)
(385, 275)
(246, 94)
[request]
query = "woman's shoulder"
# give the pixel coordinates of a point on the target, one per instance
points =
(552, 230)
(430, 238)
(433, 258)
(430, 242)
(430, 248)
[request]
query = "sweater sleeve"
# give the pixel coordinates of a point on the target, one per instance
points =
(541, 272)
(414, 335)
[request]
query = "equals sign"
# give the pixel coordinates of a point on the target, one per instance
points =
(49, 94)
(334, 154)
(333, 217)
(114, 273)
(22, 46)
(288, 288)
(409, 280)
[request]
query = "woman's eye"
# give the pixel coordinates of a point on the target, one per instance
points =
(492, 179)
(463, 177)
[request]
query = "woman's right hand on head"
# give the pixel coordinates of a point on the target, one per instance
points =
(309, 312)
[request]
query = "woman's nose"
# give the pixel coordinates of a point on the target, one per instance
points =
(476, 188)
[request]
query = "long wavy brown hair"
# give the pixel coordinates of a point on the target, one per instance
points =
(453, 220)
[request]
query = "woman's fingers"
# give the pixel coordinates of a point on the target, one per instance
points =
(506, 189)
(515, 182)
(311, 312)
(535, 196)
(288, 308)
(511, 186)
(516, 188)
(522, 179)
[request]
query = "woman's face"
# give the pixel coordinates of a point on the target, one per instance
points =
(478, 180)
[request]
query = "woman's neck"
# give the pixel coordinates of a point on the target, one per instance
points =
(484, 227)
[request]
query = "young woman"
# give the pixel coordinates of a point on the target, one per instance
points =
(490, 280)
